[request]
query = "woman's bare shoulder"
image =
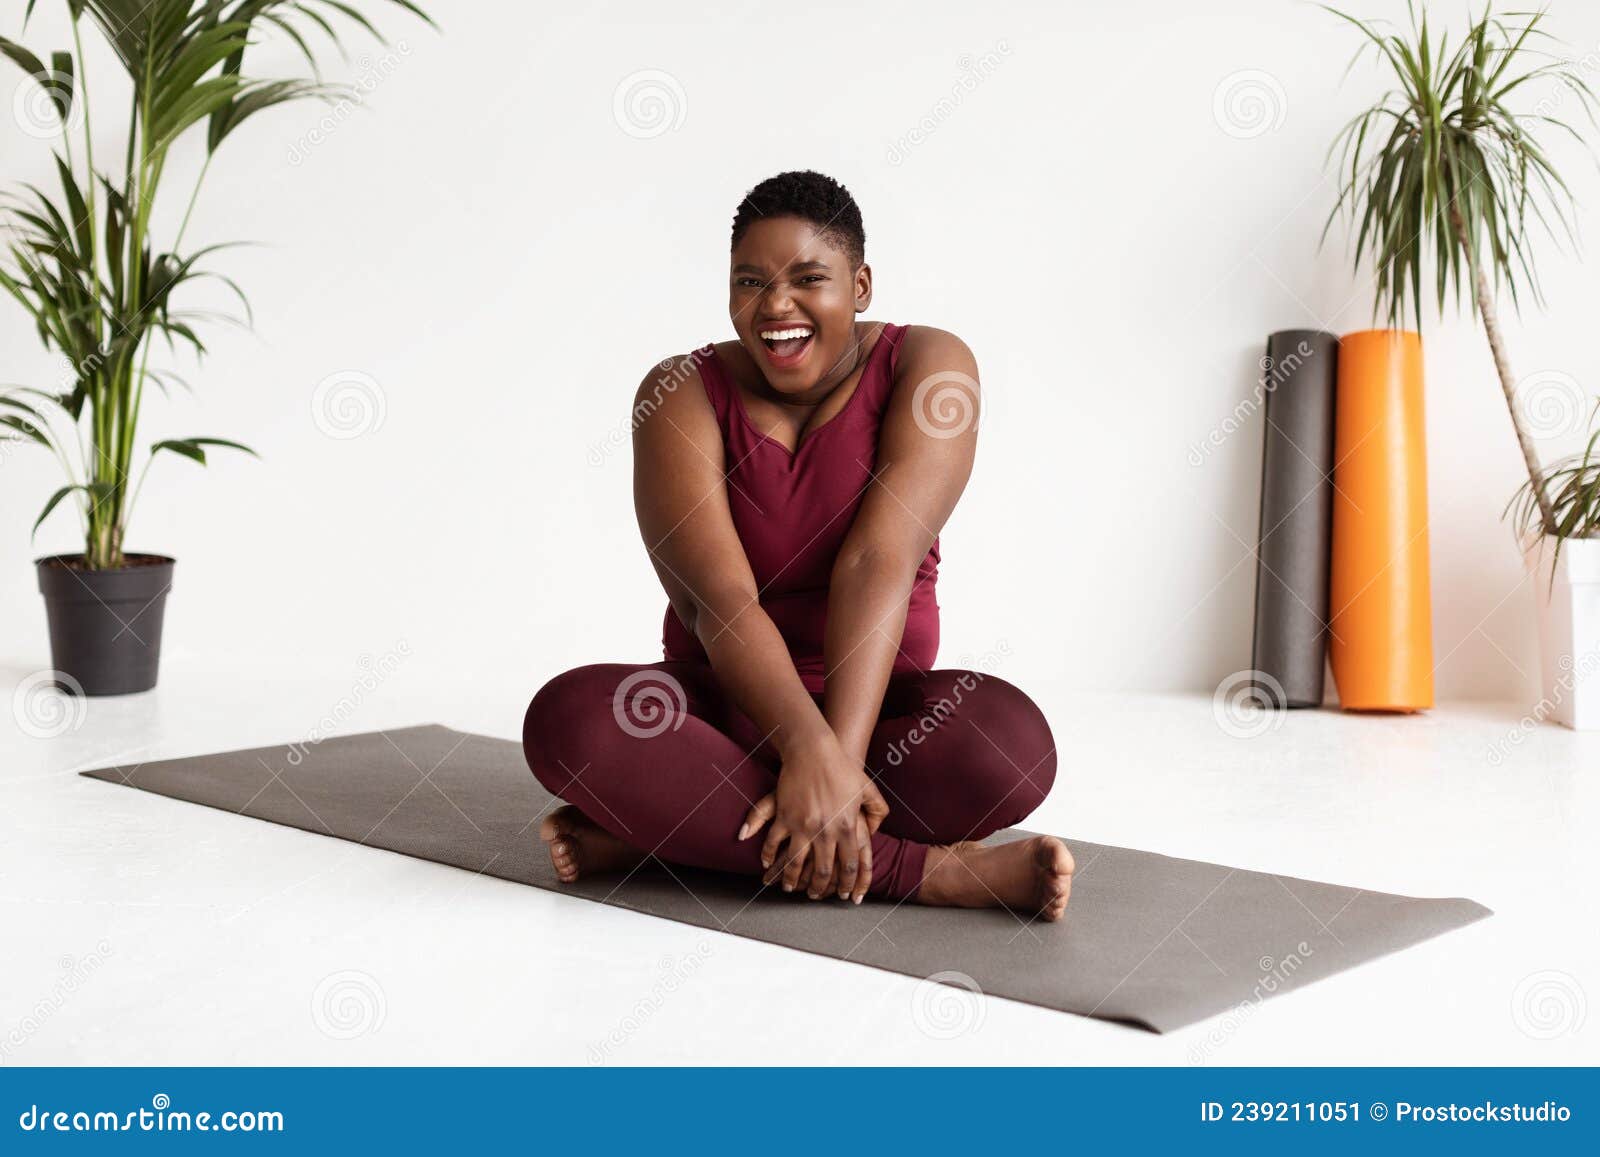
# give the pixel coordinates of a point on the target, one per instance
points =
(667, 379)
(927, 342)
(927, 350)
(671, 410)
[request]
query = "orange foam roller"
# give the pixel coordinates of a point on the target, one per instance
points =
(1380, 634)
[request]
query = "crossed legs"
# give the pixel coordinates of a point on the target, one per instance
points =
(656, 758)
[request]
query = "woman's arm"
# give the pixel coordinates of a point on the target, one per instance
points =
(925, 453)
(681, 500)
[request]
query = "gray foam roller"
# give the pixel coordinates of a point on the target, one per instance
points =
(1295, 535)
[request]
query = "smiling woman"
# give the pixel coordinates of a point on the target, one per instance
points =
(791, 507)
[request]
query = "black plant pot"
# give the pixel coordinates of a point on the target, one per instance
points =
(105, 625)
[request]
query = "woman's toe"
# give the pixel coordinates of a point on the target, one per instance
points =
(1060, 891)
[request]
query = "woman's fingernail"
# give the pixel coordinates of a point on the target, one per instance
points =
(858, 899)
(744, 830)
(788, 887)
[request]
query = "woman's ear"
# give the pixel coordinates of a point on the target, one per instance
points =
(863, 287)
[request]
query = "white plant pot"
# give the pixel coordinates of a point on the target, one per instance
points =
(1569, 630)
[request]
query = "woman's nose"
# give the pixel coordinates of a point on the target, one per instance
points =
(776, 302)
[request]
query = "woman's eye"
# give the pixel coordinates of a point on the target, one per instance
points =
(748, 283)
(810, 277)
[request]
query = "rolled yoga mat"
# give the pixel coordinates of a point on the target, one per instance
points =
(1150, 940)
(1380, 635)
(1296, 530)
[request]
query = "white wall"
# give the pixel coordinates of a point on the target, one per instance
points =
(503, 260)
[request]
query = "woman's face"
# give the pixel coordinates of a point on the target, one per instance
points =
(793, 295)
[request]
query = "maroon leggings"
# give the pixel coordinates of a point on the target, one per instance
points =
(657, 755)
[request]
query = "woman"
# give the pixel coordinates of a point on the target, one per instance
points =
(790, 487)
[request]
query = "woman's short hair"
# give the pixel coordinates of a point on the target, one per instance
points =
(810, 196)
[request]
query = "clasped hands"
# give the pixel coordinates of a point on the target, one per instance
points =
(820, 822)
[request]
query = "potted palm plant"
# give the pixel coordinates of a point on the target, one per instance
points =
(85, 263)
(1569, 596)
(1448, 167)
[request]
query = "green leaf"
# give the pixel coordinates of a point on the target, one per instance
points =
(197, 57)
(223, 442)
(260, 97)
(55, 500)
(34, 416)
(180, 446)
(355, 16)
(56, 79)
(190, 107)
(27, 429)
(25, 60)
(82, 225)
(192, 447)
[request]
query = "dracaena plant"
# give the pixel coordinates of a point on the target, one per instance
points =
(1572, 489)
(1449, 167)
(84, 260)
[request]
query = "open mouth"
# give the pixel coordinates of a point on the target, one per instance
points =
(788, 345)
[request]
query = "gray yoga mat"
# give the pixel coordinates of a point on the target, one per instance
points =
(1294, 541)
(1148, 939)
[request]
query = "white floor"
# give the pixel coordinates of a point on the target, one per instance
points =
(140, 930)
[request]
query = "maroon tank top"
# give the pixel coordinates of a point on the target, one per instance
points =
(792, 512)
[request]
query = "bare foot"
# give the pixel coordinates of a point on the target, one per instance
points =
(1033, 876)
(578, 845)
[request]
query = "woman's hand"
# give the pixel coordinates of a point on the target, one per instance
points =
(827, 810)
